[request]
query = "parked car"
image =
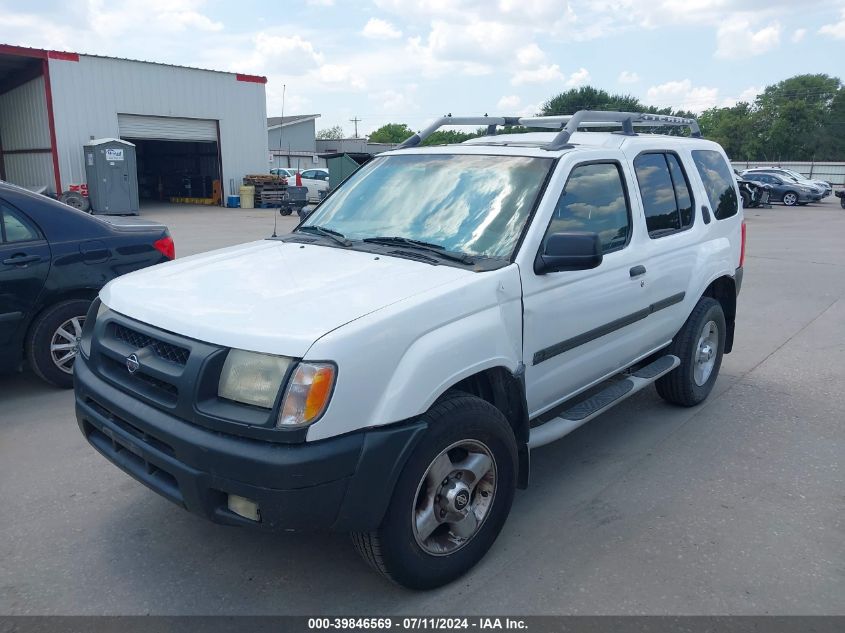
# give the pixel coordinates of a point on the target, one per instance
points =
(390, 364)
(316, 180)
(54, 259)
(784, 189)
(284, 172)
(824, 188)
(753, 194)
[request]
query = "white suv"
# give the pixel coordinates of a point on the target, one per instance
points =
(386, 368)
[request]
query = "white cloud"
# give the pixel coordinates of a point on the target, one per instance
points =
(320, 3)
(109, 19)
(682, 95)
(395, 101)
(542, 74)
(509, 103)
(530, 55)
(835, 30)
(340, 75)
(628, 77)
(379, 29)
(798, 35)
(578, 78)
(736, 40)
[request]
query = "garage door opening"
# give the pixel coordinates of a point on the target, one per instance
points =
(178, 158)
(176, 169)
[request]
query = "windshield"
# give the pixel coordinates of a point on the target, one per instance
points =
(467, 203)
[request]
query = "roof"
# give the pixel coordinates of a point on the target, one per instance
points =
(40, 53)
(100, 141)
(274, 122)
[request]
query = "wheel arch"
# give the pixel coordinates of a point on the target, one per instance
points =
(505, 390)
(723, 290)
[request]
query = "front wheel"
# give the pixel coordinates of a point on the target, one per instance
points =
(700, 345)
(790, 198)
(452, 497)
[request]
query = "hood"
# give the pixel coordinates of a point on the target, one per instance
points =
(270, 296)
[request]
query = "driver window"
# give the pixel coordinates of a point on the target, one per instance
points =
(594, 200)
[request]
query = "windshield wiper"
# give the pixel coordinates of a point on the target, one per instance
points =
(338, 237)
(436, 249)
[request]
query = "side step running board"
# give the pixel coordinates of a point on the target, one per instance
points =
(600, 402)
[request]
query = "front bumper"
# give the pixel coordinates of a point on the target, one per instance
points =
(343, 483)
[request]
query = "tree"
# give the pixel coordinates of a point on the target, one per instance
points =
(448, 137)
(733, 128)
(333, 133)
(391, 133)
(589, 98)
(792, 116)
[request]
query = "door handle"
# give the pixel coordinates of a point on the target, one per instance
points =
(637, 271)
(20, 260)
(705, 213)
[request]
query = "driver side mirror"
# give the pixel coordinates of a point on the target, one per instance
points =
(569, 251)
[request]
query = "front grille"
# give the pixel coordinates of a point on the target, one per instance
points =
(158, 390)
(166, 351)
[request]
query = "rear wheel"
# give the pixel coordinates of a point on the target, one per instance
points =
(746, 199)
(53, 341)
(76, 200)
(790, 198)
(452, 497)
(700, 345)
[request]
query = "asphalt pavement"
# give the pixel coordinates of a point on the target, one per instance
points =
(731, 507)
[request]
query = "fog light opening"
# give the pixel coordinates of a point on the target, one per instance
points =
(247, 508)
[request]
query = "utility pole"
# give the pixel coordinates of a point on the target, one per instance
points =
(356, 121)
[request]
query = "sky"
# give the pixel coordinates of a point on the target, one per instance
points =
(409, 61)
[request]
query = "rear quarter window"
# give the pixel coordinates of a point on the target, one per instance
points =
(718, 182)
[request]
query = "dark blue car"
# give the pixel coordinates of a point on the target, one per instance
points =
(54, 260)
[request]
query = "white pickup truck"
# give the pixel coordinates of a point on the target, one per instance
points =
(387, 367)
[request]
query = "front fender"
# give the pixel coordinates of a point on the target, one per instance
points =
(394, 363)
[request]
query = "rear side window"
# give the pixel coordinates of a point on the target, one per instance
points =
(14, 228)
(716, 176)
(665, 190)
(594, 201)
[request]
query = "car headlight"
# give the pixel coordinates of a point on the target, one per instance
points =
(94, 313)
(307, 394)
(252, 378)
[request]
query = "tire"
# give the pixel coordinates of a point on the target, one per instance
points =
(285, 211)
(790, 198)
(681, 386)
(44, 333)
(746, 200)
(76, 200)
(462, 429)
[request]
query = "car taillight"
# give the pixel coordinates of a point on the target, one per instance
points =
(166, 247)
(742, 247)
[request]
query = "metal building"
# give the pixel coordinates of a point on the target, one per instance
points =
(191, 127)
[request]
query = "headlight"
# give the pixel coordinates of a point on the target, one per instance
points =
(252, 378)
(307, 395)
(94, 313)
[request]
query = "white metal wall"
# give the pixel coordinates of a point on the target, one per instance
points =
(89, 94)
(24, 125)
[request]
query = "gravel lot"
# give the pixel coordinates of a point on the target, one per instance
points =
(735, 506)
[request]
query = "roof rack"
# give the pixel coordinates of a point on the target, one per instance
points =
(567, 124)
